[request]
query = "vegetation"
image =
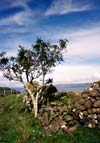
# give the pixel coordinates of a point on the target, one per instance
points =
(16, 126)
(31, 64)
(7, 91)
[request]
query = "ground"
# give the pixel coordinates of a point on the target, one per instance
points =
(16, 126)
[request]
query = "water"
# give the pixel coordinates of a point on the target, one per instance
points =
(73, 87)
(67, 87)
(20, 89)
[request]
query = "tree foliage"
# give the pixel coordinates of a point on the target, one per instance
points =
(48, 55)
(32, 63)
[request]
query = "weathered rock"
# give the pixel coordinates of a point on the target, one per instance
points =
(81, 107)
(91, 125)
(94, 93)
(85, 113)
(84, 94)
(98, 110)
(68, 118)
(53, 103)
(88, 104)
(89, 111)
(82, 101)
(98, 118)
(94, 110)
(98, 98)
(96, 104)
(72, 129)
(45, 119)
(92, 100)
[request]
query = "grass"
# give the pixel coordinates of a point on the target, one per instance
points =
(6, 91)
(16, 126)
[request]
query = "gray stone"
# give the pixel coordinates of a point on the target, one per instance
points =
(68, 118)
(96, 104)
(88, 104)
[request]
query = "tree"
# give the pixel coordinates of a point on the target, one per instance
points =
(48, 55)
(31, 64)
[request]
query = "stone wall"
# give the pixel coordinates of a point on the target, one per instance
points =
(89, 106)
(69, 109)
(57, 117)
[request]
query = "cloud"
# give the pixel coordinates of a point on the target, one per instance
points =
(23, 17)
(18, 18)
(75, 74)
(83, 42)
(7, 4)
(65, 75)
(60, 7)
(81, 60)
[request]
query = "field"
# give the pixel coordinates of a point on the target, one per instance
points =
(16, 126)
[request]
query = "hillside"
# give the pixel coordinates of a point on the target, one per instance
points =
(17, 126)
(7, 91)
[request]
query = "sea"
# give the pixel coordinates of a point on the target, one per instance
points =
(73, 87)
(67, 87)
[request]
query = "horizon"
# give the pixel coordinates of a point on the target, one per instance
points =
(53, 84)
(76, 20)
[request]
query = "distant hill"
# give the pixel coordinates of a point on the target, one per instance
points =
(8, 91)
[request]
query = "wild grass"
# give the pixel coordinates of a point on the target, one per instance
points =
(16, 126)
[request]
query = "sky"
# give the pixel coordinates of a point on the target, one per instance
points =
(21, 21)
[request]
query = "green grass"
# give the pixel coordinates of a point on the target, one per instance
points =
(6, 91)
(16, 126)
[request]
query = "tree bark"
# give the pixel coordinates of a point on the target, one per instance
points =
(35, 104)
(43, 79)
(34, 98)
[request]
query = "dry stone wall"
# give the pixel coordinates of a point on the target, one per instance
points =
(89, 106)
(60, 116)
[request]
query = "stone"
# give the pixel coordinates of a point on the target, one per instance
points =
(96, 104)
(81, 107)
(94, 110)
(98, 98)
(98, 118)
(89, 111)
(92, 100)
(98, 110)
(94, 116)
(45, 119)
(94, 93)
(64, 128)
(68, 118)
(64, 113)
(95, 85)
(90, 125)
(81, 115)
(85, 113)
(90, 89)
(95, 121)
(72, 129)
(61, 121)
(72, 123)
(81, 101)
(90, 116)
(53, 103)
(88, 104)
(84, 95)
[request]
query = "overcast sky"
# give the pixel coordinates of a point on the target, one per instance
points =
(21, 21)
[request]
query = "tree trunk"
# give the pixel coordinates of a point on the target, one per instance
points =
(34, 98)
(35, 104)
(43, 79)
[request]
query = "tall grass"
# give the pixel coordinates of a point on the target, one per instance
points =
(16, 126)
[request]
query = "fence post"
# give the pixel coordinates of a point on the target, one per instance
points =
(11, 91)
(4, 92)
